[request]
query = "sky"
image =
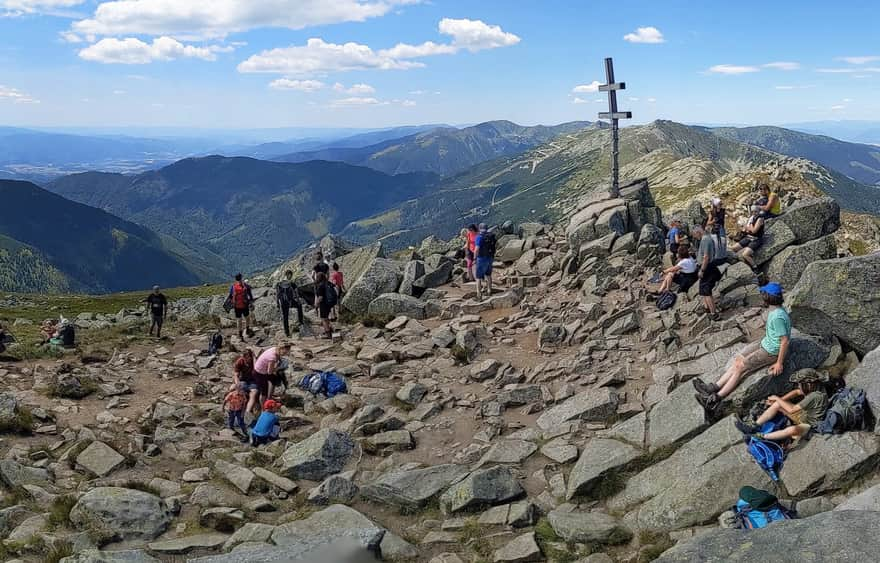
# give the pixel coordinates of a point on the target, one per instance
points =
(377, 63)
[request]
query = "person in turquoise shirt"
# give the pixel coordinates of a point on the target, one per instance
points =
(769, 351)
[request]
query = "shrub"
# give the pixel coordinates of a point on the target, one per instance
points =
(59, 511)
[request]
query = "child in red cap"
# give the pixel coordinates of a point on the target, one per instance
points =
(267, 427)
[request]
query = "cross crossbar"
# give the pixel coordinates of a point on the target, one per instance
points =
(613, 115)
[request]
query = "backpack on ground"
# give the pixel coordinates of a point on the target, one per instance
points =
(666, 300)
(239, 295)
(215, 343)
(67, 335)
(768, 455)
(756, 508)
(328, 383)
(331, 297)
(488, 243)
(846, 413)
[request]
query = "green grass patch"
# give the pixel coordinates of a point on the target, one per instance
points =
(59, 511)
(21, 423)
(58, 551)
(473, 536)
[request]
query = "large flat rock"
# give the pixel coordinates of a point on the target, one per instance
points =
(593, 405)
(598, 457)
(484, 487)
(323, 453)
(828, 462)
(99, 459)
(787, 266)
(128, 513)
(335, 523)
(830, 536)
(413, 488)
(811, 219)
(777, 236)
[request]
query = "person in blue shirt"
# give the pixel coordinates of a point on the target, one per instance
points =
(675, 237)
(268, 426)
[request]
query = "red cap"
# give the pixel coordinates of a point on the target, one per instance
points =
(271, 404)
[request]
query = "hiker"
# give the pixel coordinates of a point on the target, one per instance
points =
(48, 330)
(268, 426)
(338, 282)
(243, 374)
(241, 298)
(770, 204)
(675, 237)
(325, 299)
(320, 267)
(484, 250)
(707, 269)
(287, 296)
(266, 367)
(715, 226)
(470, 243)
(770, 351)
(683, 273)
(751, 238)
(234, 403)
(805, 407)
(158, 305)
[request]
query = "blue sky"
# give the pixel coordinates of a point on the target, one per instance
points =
(374, 63)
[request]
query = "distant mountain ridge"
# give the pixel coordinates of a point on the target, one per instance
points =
(51, 244)
(252, 213)
(858, 161)
(444, 151)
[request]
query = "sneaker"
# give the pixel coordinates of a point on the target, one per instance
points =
(715, 316)
(743, 427)
(704, 388)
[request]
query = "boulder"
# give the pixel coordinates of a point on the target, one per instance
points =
(413, 270)
(126, 514)
(867, 377)
(70, 386)
(433, 245)
(508, 451)
(334, 489)
(323, 453)
(597, 248)
(521, 549)
(594, 405)
(777, 236)
(551, 335)
(411, 393)
(787, 266)
(626, 243)
(484, 487)
(511, 252)
(436, 277)
(99, 459)
(411, 489)
(868, 499)
(187, 544)
(587, 527)
(812, 218)
(828, 462)
(394, 304)
(650, 241)
(240, 477)
(613, 221)
(250, 532)
(830, 536)
(842, 298)
(122, 556)
(380, 277)
(13, 417)
(222, 518)
(335, 523)
(599, 457)
(736, 276)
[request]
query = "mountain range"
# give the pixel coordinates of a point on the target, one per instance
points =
(50, 244)
(444, 151)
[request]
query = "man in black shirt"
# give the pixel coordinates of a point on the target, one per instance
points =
(158, 305)
(320, 267)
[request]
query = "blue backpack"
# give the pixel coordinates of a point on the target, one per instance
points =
(328, 383)
(768, 454)
(758, 509)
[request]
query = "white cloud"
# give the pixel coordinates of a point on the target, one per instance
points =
(846, 100)
(782, 65)
(217, 18)
(355, 90)
(317, 56)
(408, 103)
(118, 92)
(300, 85)
(70, 37)
(837, 108)
(645, 35)
(12, 8)
(732, 69)
(652, 100)
(859, 60)
(134, 51)
(355, 101)
(859, 70)
(417, 92)
(587, 88)
(577, 100)
(784, 87)
(7, 93)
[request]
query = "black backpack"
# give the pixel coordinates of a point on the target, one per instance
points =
(487, 245)
(286, 295)
(846, 413)
(216, 343)
(330, 295)
(68, 336)
(666, 300)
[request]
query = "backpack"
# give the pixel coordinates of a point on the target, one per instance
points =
(67, 335)
(847, 412)
(215, 343)
(768, 455)
(286, 295)
(666, 300)
(239, 295)
(333, 384)
(487, 245)
(330, 295)
(758, 509)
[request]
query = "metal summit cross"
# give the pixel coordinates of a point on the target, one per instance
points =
(612, 87)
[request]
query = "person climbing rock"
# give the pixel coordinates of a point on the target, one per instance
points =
(325, 299)
(158, 305)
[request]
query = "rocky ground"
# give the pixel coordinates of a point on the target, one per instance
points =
(553, 421)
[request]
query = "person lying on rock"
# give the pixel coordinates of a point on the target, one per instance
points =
(684, 273)
(805, 407)
(769, 351)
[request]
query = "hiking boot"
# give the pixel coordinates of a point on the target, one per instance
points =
(708, 402)
(715, 317)
(745, 428)
(704, 388)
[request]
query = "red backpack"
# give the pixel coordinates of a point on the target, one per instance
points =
(239, 295)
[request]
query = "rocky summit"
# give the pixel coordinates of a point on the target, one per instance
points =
(554, 419)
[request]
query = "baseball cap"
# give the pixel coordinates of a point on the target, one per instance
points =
(270, 404)
(771, 288)
(482, 226)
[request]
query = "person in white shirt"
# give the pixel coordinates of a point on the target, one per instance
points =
(683, 273)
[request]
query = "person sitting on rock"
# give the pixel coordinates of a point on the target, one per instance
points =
(769, 351)
(684, 273)
(752, 238)
(805, 407)
(771, 205)
(268, 426)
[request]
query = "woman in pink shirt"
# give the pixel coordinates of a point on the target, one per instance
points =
(266, 368)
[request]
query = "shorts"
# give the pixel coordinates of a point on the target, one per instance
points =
(324, 310)
(752, 243)
(249, 386)
(470, 262)
(673, 248)
(239, 313)
(710, 277)
(755, 357)
(685, 281)
(484, 267)
(262, 383)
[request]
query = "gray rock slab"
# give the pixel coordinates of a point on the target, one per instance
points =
(868, 499)
(121, 556)
(186, 544)
(413, 488)
(128, 513)
(866, 377)
(521, 549)
(335, 523)
(787, 266)
(598, 457)
(828, 462)
(323, 453)
(99, 459)
(484, 487)
(508, 451)
(587, 527)
(595, 405)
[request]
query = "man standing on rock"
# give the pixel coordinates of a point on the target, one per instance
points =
(158, 306)
(707, 270)
(769, 351)
(286, 296)
(241, 298)
(484, 249)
